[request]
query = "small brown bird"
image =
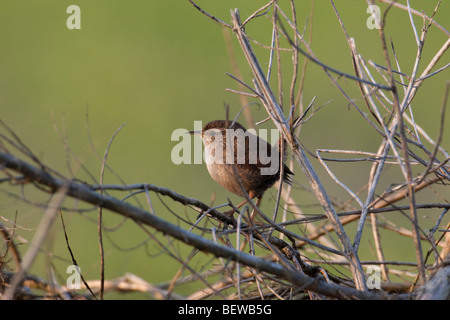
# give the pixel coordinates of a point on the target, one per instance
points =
(239, 160)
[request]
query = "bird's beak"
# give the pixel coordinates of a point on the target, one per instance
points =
(198, 133)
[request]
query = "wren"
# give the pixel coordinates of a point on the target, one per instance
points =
(240, 161)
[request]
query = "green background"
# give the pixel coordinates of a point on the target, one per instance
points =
(157, 66)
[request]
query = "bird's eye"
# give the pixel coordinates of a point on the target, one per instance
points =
(212, 135)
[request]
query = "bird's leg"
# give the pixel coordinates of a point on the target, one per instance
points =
(235, 208)
(258, 202)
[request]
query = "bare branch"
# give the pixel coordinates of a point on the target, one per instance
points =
(84, 193)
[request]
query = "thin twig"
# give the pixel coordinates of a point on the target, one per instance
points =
(100, 216)
(39, 237)
(441, 131)
(74, 261)
(408, 173)
(209, 15)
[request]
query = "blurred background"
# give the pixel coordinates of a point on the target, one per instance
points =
(157, 66)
